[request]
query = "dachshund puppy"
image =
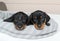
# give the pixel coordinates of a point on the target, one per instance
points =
(39, 19)
(19, 19)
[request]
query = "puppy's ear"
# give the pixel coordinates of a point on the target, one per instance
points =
(9, 19)
(47, 19)
(30, 20)
(31, 16)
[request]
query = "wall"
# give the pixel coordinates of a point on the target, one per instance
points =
(49, 6)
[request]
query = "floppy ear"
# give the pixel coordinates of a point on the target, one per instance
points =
(9, 19)
(31, 16)
(27, 19)
(47, 17)
(30, 20)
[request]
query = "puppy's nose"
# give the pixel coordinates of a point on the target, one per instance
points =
(39, 25)
(19, 26)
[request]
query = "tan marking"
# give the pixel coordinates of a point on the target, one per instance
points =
(16, 27)
(34, 16)
(42, 25)
(22, 28)
(40, 17)
(35, 25)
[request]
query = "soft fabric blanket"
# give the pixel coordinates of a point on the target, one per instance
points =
(29, 32)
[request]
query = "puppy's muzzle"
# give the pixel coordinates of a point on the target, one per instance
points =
(40, 26)
(20, 27)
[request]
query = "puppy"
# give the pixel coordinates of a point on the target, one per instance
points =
(39, 19)
(19, 19)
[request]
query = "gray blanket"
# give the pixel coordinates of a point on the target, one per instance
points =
(29, 32)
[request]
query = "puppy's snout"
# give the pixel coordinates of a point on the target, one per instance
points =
(19, 26)
(39, 26)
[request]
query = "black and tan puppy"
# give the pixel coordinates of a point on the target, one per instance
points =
(39, 19)
(19, 19)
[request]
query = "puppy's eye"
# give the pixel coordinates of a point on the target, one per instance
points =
(40, 17)
(35, 17)
(23, 17)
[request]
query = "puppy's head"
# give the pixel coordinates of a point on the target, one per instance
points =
(19, 19)
(38, 19)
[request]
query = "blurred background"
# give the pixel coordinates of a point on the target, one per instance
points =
(49, 6)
